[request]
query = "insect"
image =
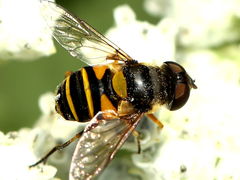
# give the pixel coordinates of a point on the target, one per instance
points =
(112, 96)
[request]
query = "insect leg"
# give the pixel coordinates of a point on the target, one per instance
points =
(155, 120)
(56, 148)
(136, 134)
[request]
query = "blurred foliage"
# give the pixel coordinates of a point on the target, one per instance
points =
(23, 82)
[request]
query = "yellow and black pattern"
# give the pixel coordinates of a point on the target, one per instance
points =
(98, 88)
(86, 92)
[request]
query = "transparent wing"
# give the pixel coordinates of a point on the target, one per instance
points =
(99, 143)
(79, 38)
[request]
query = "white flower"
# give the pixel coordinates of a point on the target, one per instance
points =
(201, 23)
(16, 153)
(23, 32)
(143, 41)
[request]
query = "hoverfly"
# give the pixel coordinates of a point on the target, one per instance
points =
(112, 96)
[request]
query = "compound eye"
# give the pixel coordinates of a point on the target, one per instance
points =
(181, 96)
(175, 67)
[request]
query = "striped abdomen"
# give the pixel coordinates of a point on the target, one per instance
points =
(86, 92)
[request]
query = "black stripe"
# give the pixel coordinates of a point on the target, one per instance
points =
(78, 96)
(95, 89)
(62, 103)
(108, 88)
(139, 86)
(167, 83)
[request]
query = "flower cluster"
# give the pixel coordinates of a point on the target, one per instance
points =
(199, 141)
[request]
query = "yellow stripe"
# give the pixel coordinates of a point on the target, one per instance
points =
(87, 92)
(69, 99)
(106, 104)
(99, 71)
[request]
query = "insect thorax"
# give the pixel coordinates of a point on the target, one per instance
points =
(148, 85)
